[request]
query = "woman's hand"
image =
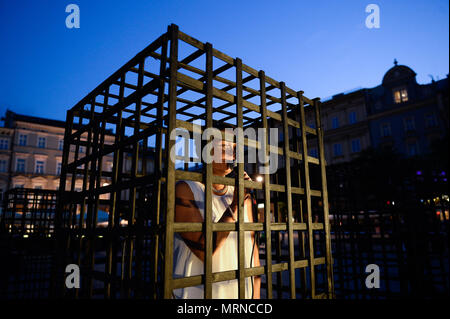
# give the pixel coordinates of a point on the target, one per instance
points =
(234, 203)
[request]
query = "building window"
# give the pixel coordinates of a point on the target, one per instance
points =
(334, 122)
(313, 152)
(4, 145)
(385, 129)
(400, 95)
(61, 145)
(19, 186)
(337, 149)
(39, 167)
(20, 165)
(81, 150)
(412, 149)
(356, 145)
(23, 140)
(38, 187)
(58, 168)
(3, 164)
(430, 120)
(41, 142)
(409, 123)
(352, 118)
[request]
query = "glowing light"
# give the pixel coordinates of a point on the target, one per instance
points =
(259, 178)
(25, 236)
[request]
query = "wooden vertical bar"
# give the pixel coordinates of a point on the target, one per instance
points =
(326, 218)
(92, 199)
(240, 180)
(267, 215)
(119, 244)
(156, 194)
(170, 184)
(134, 171)
(73, 180)
(140, 220)
(288, 193)
(100, 167)
(311, 263)
(307, 188)
(278, 240)
(113, 199)
(111, 257)
(84, 231)
(58, 231)
(208, 175)
(300, 148)
(79, 239)
(65, 161)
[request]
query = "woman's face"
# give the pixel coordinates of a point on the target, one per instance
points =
(227, 152)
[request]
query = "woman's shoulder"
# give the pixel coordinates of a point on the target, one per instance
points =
(193, 185)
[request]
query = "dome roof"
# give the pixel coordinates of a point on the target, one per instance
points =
(398, 73)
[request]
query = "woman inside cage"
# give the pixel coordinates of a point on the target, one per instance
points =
(189, 247)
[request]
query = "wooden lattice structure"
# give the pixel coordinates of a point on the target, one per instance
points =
(180, 82)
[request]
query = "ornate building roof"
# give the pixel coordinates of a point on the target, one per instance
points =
(398, 73)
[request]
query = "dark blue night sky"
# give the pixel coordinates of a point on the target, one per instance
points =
(321, 47)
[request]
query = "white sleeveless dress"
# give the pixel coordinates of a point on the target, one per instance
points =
(186, 264)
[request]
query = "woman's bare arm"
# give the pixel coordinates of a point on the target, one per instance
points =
(186, 211)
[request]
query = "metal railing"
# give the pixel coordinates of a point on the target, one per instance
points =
(408, 244)
(27, 243)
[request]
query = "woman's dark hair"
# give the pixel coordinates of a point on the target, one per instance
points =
(220, 125)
